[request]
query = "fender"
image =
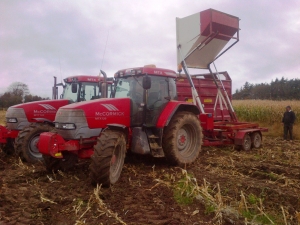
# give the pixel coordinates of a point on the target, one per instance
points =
(116, 125)
(171, 108)
(42, 120)
(119, 127)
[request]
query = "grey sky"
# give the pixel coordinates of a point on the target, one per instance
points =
(42, 39)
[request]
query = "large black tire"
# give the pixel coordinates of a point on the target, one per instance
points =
(108, 158)
(26, 142)
(182, 138)
(8, 148)
(66, 163)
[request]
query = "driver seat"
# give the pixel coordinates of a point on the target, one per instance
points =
(153, 97)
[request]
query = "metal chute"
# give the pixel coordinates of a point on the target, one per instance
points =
(202, 36)
(201, 39)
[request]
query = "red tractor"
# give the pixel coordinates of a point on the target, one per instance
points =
(25, 122)
(155, 111)
(144, 116)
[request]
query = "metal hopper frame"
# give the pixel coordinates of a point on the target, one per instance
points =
(201, 39)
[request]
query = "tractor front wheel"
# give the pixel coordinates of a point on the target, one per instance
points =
(108, 158)
(182, 138)
(26, 142)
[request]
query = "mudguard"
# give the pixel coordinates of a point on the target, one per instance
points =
(171, 108)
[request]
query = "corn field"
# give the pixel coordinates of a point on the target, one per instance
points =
(268, 114)
(264, 111)
(2, 117)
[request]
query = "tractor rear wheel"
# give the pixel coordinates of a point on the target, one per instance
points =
(182, 138)
(66, 163)
(108, 158)
(26, 142)
(8, 148)
(246, 142)
(256, 140)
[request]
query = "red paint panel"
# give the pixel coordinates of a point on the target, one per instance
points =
(213, 21)
(5, 133)
(49, 142)
(224, 19)
(149, 70)
(168, 112)
(207, 92)
(101, 112)
(83, 78)
(42, 109)
(52, 143)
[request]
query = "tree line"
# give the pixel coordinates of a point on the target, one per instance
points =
(279, 89)
(17, 93)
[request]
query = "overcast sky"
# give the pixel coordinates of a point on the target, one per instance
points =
(41, 39)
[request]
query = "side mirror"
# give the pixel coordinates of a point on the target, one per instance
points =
(74, 87)
(146, 82)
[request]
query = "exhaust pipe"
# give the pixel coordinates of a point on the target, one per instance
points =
(103, 85)
(54, 90)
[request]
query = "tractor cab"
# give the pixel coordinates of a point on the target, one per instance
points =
(83, 88)
(149, 89)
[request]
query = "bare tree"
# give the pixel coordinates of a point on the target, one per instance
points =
(19, 89)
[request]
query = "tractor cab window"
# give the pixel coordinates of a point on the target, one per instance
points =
(172, 88)
(68, 94)
(162, 90)
(109, 90)
(130, 87)
(85, 91)
(89, 91)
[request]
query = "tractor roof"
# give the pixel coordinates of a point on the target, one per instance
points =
(83, 78)
(149, 69)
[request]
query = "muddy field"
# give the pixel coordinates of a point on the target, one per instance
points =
(224, 186)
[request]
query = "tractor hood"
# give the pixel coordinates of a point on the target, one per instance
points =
(39, 109)
(98, 113)
(21, 115)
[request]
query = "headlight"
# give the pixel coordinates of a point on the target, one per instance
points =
(65, 126)
(11, 120)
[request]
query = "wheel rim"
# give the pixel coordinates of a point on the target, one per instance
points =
(115, 162)
(182, 139)
(247, 142)
(185, 140)
(256, 140)
(33, 149)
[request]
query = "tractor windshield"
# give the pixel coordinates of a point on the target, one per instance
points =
(85, 91)
(131, 87)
